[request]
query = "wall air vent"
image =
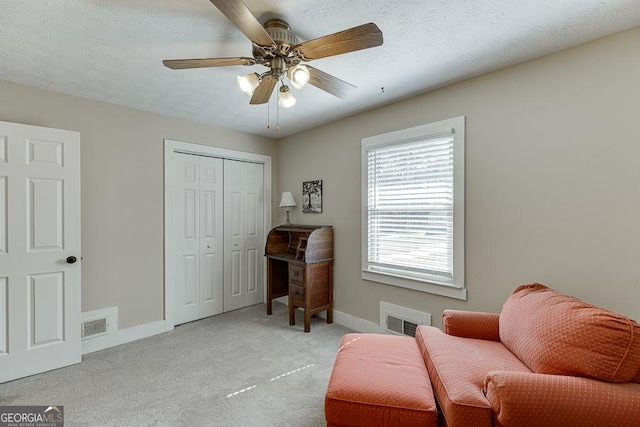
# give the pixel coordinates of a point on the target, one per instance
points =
(94, 327)
(99, 323)
(401, 320)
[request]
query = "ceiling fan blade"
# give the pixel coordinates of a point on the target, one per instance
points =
(264, 90)
(180, 64)
(356, 38)
(241, 16)
(329, 83)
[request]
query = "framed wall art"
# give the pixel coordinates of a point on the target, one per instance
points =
(312, 196)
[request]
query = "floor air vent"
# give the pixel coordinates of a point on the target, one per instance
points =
(401, 320)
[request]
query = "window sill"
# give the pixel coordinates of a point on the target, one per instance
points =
(416, 285)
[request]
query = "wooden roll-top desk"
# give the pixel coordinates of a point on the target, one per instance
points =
(300, 265)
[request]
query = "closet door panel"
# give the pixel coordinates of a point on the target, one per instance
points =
(211, 236)
(244, 210)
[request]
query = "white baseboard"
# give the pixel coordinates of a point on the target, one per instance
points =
(355, 323)
(347, 320)
(123, 336)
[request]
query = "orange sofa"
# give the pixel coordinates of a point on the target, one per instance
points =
(547, 359)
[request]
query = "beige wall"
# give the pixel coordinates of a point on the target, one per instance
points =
(552, 181)
(553, 185)
(122, 191)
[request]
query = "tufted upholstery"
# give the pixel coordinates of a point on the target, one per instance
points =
(553, 333)
(379, 380)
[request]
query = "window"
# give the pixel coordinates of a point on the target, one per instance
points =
(413, 208)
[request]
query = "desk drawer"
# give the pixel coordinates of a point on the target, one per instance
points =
(296, 291)
(296, 272)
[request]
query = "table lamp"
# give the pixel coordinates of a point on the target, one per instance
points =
(288, 202)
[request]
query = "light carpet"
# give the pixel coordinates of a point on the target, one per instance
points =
(242, 368)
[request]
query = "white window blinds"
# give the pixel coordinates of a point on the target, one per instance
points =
(410, 207)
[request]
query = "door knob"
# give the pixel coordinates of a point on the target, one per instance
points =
(208, 246)
(71, 260)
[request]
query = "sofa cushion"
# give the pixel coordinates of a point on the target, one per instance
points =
(457, 368)
(538, 400)
(553, 333)
(379, 380)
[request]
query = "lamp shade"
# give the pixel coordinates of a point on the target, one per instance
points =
(248, 83)
(286, 98)
(287, 200)
(299, 76)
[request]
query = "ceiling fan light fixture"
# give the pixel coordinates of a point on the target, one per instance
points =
(285, 97)
(281, 51)
(299, 75)
(248, 83)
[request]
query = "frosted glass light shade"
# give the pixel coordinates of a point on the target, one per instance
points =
(299, 76)
(248, 83)
(285, 97)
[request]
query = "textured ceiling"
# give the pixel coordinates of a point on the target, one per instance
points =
(112, 50)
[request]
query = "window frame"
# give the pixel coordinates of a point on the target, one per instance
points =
(455, 288)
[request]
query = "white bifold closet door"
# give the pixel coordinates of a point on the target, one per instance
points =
(243, 234)
(199, 245)
(218, 215)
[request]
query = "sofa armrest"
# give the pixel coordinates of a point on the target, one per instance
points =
(528, 399)
(471, 324)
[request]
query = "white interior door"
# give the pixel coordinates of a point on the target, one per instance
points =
(39, 231)
(198, 218)
(243, 234)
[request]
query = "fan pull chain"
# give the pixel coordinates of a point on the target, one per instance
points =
(268, 115)
(278, 117)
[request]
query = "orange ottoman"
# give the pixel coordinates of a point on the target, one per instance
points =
(379, 380)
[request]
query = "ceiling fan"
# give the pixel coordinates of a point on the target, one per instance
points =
(281, 51)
